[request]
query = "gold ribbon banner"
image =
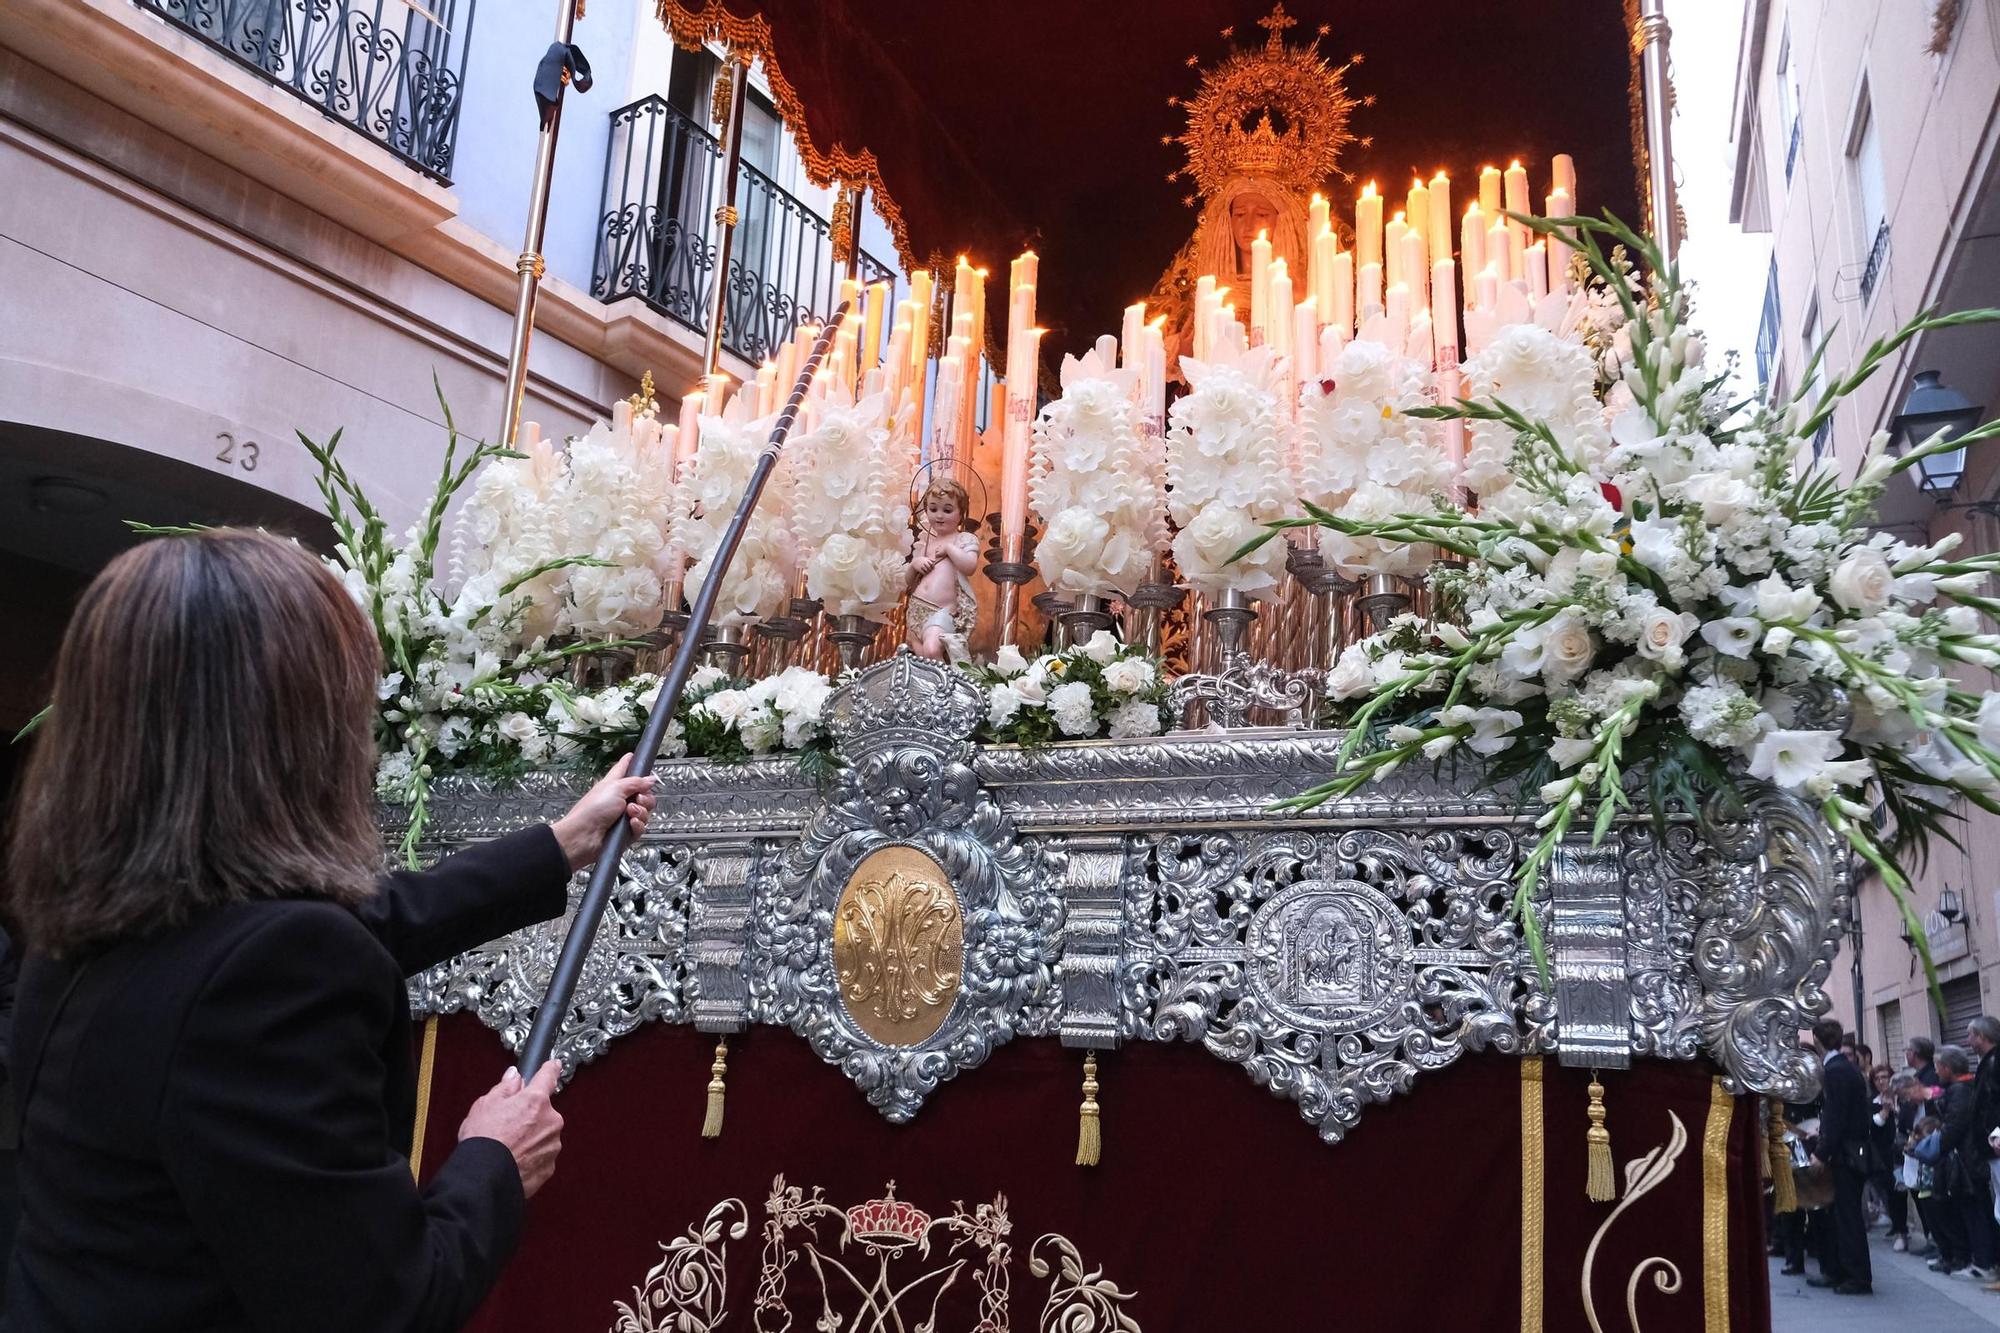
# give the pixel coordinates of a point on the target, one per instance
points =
(1715, 1209)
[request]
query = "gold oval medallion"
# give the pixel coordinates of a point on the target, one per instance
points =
(898, 945)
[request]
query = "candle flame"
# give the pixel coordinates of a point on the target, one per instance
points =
(1368, 190)
(1156, 321)
(1264, 233)
(1515, 165)
(1398, 216)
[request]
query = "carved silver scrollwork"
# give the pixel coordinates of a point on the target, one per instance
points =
(1149, 890)
(906, 731)
(1770, 921)
(635, 972)
(1332, 966)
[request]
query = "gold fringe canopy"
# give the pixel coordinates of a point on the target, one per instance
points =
(693, 26)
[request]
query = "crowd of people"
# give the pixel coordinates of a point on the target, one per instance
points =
(1926, 1135)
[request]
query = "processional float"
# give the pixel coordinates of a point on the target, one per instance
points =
(936, 903)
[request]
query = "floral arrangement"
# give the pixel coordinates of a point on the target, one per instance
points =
(851, 507)
(1093, 483)
(1227, 471)
(758, 582)
(1364, 458)
(1658, 583)
(718, 717)
(1104, 688)
(604, 498)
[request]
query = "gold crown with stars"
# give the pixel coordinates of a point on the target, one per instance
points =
(1277, 110)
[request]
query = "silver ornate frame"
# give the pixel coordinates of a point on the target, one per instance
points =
(1147, 891)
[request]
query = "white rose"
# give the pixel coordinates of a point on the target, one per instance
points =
(726, 706)
(1720, 496)
(1073, 539)
(705, 677)
(843, 572)
(1864, 581)
(1128, 675)
(1102, 648)
(1033, 684)
(1779, 601)
(1662, 632)
(1569, 648)
(518, 728)
(1008, 661)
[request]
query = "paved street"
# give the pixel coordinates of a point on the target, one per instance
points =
(1907, 1296)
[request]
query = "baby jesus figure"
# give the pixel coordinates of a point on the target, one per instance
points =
(943, 609)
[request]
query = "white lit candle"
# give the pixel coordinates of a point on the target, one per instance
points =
(1472, 239)
(871, 329)
(1562, 172)
(1397, 309)
(1417, 209)
(1326, 247)
(1260, 289)
(1318, 215)
(1367, 228)
(1278, 314)
(1368, 297)
(1499, 249)
(1341, 315)
(1130, 349)
(1392, 250)
(1517, 194)
(1441, 218)
(1538, 271)
(1488, 283)
(1415, 273)
(1560, 205)
(1444, 313)
(1305, 340)
(1155, 400)
(1489, 192)
(687, 432)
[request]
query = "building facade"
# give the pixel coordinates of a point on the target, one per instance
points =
(224, 221)
(1864, 140)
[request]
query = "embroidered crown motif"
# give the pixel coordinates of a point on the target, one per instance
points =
(888, 1222)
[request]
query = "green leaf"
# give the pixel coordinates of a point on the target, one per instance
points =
(33, 724)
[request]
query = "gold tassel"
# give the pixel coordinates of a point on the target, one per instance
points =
(718, 102)
(1089, 1134)
(711, 1125)
(1778, 1154)
(842, 225)
(1600, 1186)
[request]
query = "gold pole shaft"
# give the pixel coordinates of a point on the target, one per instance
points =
(1652, 38)
(528, 268)
(726, 216)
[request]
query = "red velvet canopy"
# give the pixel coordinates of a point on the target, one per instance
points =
(990, 128)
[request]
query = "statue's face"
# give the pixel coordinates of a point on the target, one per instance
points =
(1250, 213)
(941, 516)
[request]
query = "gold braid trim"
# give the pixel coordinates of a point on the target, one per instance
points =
(426, 1066)
(694, 25)
(1531, 1195)
(1715, 1209)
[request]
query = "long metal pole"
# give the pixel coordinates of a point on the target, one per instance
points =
(1652, 38)
(555, 1004)
(528, 267)
(725, 214)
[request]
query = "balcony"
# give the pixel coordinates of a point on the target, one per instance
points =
(1878, 256)
(657, 236)
(390, 69)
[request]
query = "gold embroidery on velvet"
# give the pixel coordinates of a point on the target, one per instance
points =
(1642, 1176)
(1715, 1208)
(1531, 1195)
(426, 1066)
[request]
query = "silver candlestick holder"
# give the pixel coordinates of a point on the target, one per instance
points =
(1053, 605)
(1152, 600)
(1086, 615)
(1230, 617)
(1383, 598)
(851, 637)
(725, 648)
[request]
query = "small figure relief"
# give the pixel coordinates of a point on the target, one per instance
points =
(1330, 957)
(943, 608)
(1334, 958)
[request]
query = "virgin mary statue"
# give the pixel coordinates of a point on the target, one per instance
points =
(1264, 132)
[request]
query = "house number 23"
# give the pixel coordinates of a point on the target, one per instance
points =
(237, 453)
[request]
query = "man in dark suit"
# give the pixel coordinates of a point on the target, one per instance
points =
(1843, 1146)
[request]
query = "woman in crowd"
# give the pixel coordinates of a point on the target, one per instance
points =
(212, 1045)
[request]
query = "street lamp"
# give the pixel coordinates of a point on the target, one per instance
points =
(1933, 408)
(1949, 906)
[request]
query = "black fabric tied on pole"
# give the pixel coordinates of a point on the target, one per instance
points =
(560, 60)
(590, 912)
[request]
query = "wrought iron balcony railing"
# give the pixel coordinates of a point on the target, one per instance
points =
(391, 69)
(1878, 255)
(657, 235)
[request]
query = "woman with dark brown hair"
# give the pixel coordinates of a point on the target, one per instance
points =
(212, 1039)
